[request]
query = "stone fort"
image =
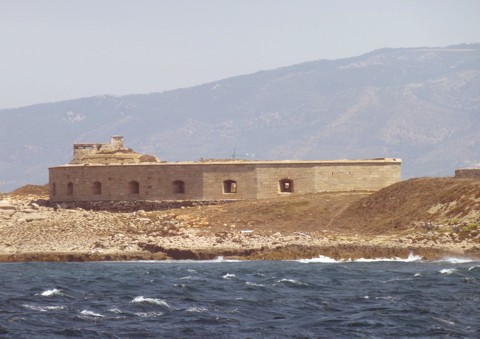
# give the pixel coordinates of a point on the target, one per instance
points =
(473, 173)
(111, 172)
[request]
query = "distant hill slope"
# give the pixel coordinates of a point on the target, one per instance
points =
(420, 104)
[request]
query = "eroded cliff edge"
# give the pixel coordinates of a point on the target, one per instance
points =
(430, 217)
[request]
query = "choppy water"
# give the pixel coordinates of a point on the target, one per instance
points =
(312, 298)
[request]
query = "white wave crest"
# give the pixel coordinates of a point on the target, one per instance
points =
(91, 314)
(51, 293)
(218, 259)
(291, 282)
(196, 309)
(148, 314)
(229, 276)
(189, 277)
(454, 260)
(320, 259)
(152, 301)
(324, 259)
(43, 308)
(411, 258)
(388, 298)
(115, 310)
(444, 321)
(180, 285)
(248, 283)
(222, 259)
(448, 270)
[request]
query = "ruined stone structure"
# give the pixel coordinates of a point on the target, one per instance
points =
(110, 172)
(468, 173)
(112, 153)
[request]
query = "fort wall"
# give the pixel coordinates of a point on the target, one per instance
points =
(217, 180)
(468, 173)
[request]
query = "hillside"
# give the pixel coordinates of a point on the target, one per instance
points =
(409, 205)
(418, 104)
(431, 217)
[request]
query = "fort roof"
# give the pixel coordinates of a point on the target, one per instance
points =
(115, 154)
(241, 162)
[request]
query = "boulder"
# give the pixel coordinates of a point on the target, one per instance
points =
(5, 205)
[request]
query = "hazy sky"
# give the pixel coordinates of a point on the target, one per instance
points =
(63, 49)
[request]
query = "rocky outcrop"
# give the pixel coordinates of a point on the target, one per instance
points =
(135, 205)
(440, 221)
(30, 231)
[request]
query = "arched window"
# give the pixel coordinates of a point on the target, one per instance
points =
(178, 186)
(133, 187)
(229, 186)
(54, 189)
(97, 188)
(286, 185)
(70, 188)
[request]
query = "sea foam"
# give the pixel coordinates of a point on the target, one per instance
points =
(228, 276)
(411, 258)
(43, 308)
(196, 309)
(291, 282)
(324, 259)
(91, 314)
(320, 259)
(448, 271)
(51, 293)
(454, 260)
(152, 301)
(149, 314)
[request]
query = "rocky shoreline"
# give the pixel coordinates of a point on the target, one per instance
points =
(30, 230)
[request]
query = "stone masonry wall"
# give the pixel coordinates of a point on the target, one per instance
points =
(468, 173)
(355, 177)
(205, 181)
(213, 177)
(268, 176)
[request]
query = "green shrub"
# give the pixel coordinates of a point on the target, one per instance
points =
(470, 227)
(453, 221)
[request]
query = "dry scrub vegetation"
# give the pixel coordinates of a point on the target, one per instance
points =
(429, 216)
(410, 205)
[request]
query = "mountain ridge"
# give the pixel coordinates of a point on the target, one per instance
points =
(418, 104)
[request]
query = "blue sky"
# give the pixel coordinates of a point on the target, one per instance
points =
(56, 49)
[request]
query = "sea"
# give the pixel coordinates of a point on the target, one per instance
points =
(316, 298)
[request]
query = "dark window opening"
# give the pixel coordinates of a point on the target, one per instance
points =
(229, 186)
(70, 188)
(97, 188)
(286, 185)
(133, 187)
(178, 186)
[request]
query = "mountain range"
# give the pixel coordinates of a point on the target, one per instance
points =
(418, 104)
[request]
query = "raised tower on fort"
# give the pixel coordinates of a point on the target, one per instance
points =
(112, 153)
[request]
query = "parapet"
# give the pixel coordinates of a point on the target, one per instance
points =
(112, 153)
